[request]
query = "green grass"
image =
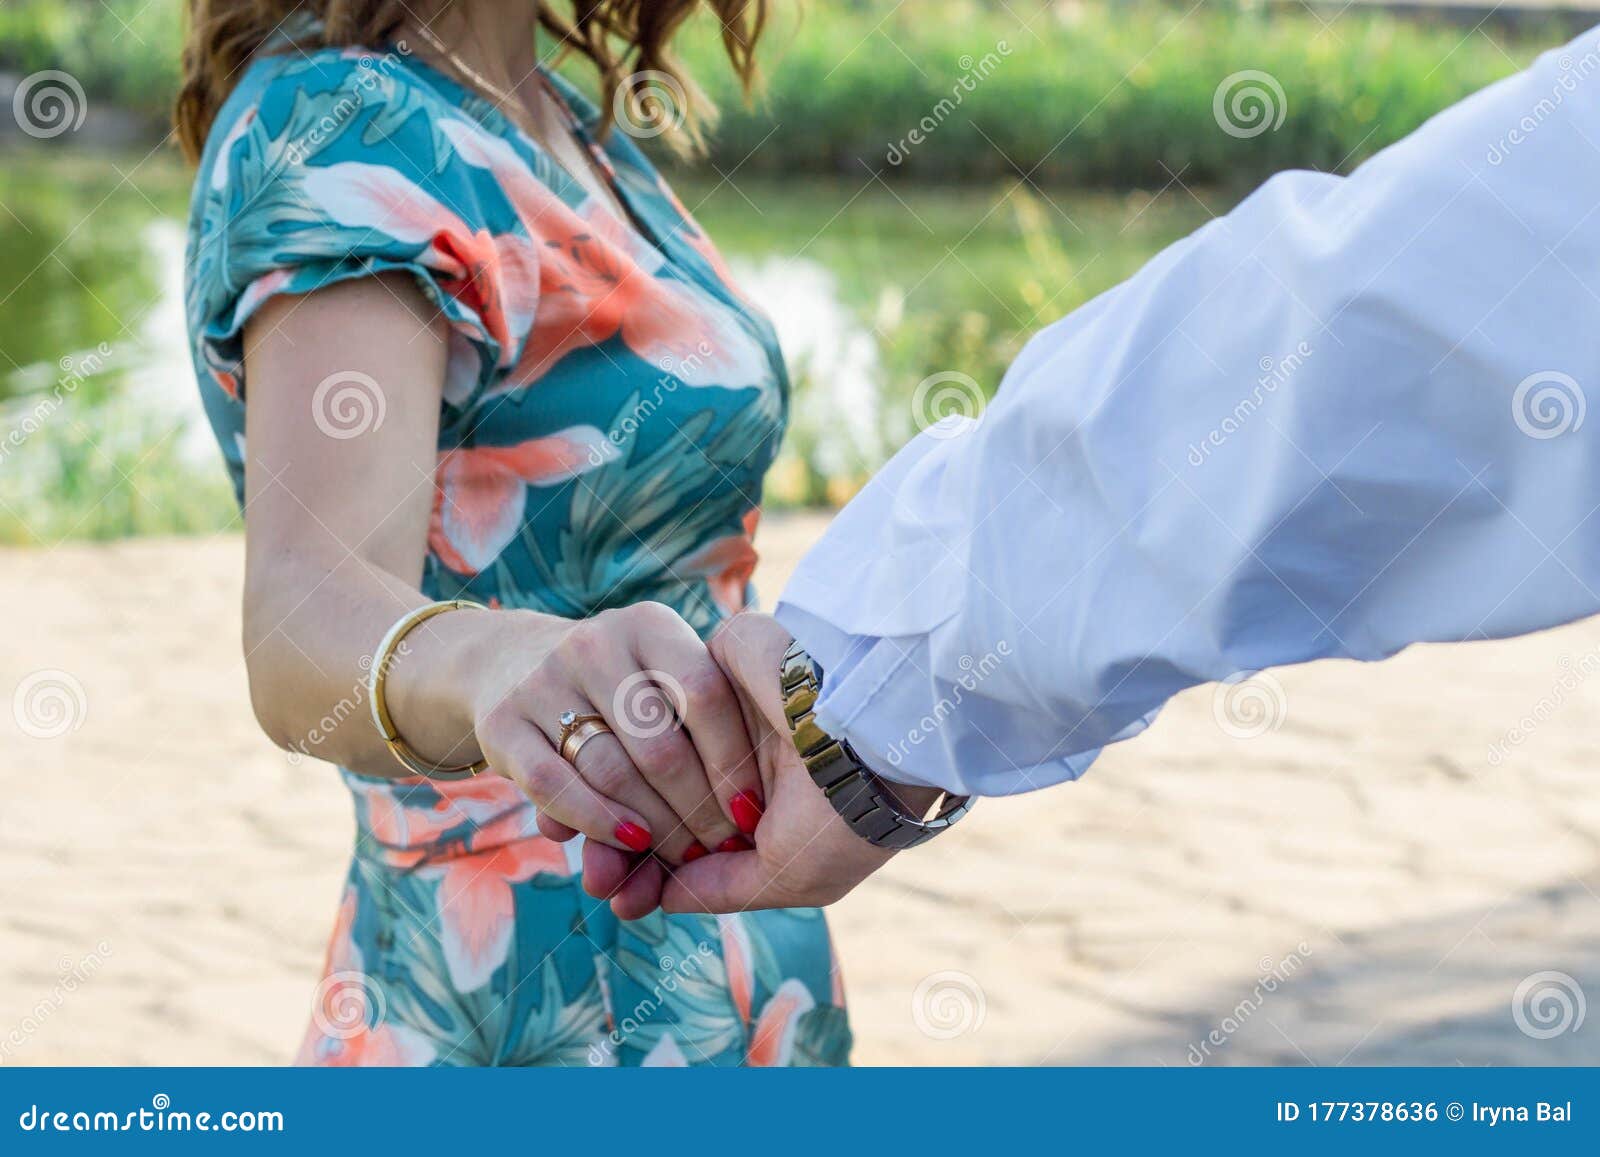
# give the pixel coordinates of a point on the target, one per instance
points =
(1106, 94)
(952, 278)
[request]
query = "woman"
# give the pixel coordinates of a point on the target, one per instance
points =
(484, 354)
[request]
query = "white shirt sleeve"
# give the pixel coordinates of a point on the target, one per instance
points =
(1346, 417)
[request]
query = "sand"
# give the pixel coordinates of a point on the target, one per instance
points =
(1369, 881)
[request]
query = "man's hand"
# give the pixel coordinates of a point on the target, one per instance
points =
(805, 855)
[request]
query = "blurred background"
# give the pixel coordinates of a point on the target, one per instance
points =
(1399, 864)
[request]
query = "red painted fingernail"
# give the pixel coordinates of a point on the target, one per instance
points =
(735, 844)
(634, 836)
(693, 852)
(746, 809)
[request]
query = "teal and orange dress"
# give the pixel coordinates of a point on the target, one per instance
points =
(611, 404)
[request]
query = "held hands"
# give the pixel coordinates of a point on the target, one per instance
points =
(674, 775)
(804, 855)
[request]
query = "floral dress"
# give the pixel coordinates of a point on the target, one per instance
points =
(611, 403)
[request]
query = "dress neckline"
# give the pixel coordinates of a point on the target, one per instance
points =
(632, 217)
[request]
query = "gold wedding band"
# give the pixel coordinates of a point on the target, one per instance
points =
(576, 730)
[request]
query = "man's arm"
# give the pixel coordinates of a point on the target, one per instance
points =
(1346, 417)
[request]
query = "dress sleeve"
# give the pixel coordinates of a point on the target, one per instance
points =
(341, 167)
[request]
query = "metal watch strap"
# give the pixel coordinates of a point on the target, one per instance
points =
(859, 796)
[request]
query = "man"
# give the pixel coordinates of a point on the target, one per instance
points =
(1346, 417)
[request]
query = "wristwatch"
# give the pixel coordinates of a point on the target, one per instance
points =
(866, 802)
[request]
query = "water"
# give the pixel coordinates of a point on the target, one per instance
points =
(872, 289)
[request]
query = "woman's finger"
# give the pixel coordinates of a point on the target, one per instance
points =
(689, 681)
(517, 749)
(605, 765)
(641, 706)
(552, 829)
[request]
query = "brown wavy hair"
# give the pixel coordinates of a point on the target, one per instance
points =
(621, 38)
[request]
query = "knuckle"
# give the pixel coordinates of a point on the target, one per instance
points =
(582, 645)
(663, 757)
(498, 728)
(541, 779)
(652, 617)
(705, 689)
(610, 776)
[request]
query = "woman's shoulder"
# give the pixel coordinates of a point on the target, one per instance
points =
(301, 103)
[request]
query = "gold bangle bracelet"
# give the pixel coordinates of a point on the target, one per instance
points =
(378, 676)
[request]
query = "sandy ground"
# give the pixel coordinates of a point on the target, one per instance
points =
(1362, 884)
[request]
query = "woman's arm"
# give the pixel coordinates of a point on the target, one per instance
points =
(335, 528)
(337, 505)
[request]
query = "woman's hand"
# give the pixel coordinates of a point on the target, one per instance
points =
(676, 776)
(804, 854)
(336, 533)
